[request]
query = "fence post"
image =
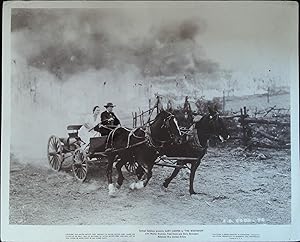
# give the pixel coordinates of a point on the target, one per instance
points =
(243, 126)
(247, 133)
(132, 120)
(158, 104)
(223, 101)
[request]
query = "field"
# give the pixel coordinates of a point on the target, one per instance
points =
(235, 187)
(257, 101)
(232, 185)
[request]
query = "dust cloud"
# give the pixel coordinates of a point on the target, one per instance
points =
(66, 61)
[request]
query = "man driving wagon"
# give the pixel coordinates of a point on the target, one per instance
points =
(109, 120)
(97, 125)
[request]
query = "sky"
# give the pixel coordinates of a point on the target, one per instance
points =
(65, 61)
(255, 38)
(248, 40)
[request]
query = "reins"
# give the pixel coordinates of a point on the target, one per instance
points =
(147, 138)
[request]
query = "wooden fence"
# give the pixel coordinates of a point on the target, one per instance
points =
(142, 117)
(256, 129)
(272, 132)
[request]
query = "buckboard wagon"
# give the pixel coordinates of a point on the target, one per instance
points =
(60, 149)
(177, 147)
(83, 158)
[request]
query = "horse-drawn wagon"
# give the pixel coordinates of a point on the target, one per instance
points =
(159, 142)
(61, 150)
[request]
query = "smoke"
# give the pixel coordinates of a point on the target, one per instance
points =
(66, 42)
(65, 61)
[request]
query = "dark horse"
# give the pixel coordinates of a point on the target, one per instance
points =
(195, 144)
(141, 146)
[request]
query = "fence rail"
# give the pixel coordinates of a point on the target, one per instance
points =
(261, 132)
(254, 131)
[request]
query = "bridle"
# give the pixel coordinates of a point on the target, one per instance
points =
(212, 121)
(166, 124)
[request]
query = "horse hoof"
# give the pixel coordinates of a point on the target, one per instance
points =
(111, 190)
(112, 194)
(163, 188)
(132, 186)
(198, 193)
(165, 185)
(139, 185)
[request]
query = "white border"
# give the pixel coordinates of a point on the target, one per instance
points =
(5, 118)
(57, 233)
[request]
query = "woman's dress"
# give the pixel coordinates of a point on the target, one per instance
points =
(87, 129)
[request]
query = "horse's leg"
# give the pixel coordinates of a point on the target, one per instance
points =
(173, 175)
(119, 166)
(148, 175)
(194, 167)
(144, 176)
(111, 188)
(139, 172)
(146, 158)
(109, 169)
(141, 175)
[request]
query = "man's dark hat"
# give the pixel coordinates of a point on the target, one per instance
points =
(109, 105)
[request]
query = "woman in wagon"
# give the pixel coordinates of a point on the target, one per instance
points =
(90, 128)
(108, 119)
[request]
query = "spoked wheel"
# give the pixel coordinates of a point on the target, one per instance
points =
(131, 166)
(80, 164)
(54, 153)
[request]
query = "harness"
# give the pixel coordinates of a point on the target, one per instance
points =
(151, 142)
(132, 134)
(213, 119)
(192, 135)
(166, 124)
(147, 138)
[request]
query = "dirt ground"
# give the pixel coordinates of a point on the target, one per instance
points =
(235, 187)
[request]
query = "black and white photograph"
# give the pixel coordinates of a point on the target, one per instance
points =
(151, 114)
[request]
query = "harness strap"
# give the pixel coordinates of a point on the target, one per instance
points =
(151, 141)
(125, 148)
(111, 135)
(192, 132)
(131, 133)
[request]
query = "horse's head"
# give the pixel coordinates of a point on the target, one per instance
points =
(212, 124)
(165, 128)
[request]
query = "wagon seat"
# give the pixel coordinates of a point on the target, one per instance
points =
(72, 135)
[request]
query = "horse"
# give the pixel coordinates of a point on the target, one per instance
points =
(195, 145)
(141, 146)
(185, 119)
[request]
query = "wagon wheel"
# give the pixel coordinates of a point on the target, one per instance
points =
(80, 165)
(131, 166)
(54, 152)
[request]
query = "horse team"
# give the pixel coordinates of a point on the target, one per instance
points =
(162, 137)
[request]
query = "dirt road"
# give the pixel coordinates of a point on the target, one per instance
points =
(236, 187)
